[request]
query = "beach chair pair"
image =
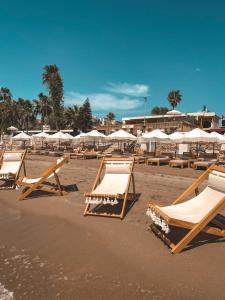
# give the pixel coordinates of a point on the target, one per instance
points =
(11, 163)
(199, 214)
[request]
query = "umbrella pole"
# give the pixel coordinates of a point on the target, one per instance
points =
(155, 149)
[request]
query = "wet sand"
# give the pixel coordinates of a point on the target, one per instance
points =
(48, 250)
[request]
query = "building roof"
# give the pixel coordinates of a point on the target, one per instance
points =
(171, 115)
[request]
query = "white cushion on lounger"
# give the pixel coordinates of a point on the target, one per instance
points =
(10, 167)
(196, 209)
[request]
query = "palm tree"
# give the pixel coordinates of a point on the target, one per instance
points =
(71, 116)
(174, 97)
(52, 79)
(42, 107)
(26, 112)
(110, 117)
(5, 108)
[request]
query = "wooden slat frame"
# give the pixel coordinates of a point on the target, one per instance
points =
(124, 197)
(42, 183)
(22, 164)
(194, 229)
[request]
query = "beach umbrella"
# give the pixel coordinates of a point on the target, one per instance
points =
(220, 139)
(121, 135)
(12, 128)
(196, 135)
(42, 134)
(175, 136)
(93, 136)
(77, 138)
(22, 136)
(69, 136)
(58, 137)
(154, 137)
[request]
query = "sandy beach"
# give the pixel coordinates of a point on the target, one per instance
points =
(49, 250)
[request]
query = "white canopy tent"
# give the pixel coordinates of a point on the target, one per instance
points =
(93, 136)
(42, 134)
(196, 135)
(12, 128)
(175, 136)
(58, 137)
(69, 136)
(220, 139)
(154, 136)
(22, 136)
(121, 135)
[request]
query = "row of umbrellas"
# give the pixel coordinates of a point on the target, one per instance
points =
(92, 135)
(195, 136)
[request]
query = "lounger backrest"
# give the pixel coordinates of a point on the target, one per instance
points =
(11, 163)
(217, 181)
(57, 170)
(118, 167)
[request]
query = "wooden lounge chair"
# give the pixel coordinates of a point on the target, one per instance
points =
(198, 214)
(112, 187)
(203, 164)
(42, 183)
(11, 163)
(178, 163)
(157, 160)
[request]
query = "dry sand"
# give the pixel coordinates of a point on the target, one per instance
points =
(48, 250)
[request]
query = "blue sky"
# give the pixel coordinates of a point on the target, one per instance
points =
(116, 52)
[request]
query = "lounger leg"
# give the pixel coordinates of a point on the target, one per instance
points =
(86, 209)
(26, 192)
(123, 207)
(133, 184)
(24, 170)
(58, 184)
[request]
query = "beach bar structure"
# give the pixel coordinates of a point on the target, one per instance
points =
(171, 121)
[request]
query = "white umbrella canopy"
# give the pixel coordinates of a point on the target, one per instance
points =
(93, 136)
(12, 128)
(176, 135)
(121, 135)
(77, 137)
(58, 136)
(41, 135)
(155, 136)
(22, 136)
(220, 139)
(95, 133)
(196, 136)
(69, 135)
